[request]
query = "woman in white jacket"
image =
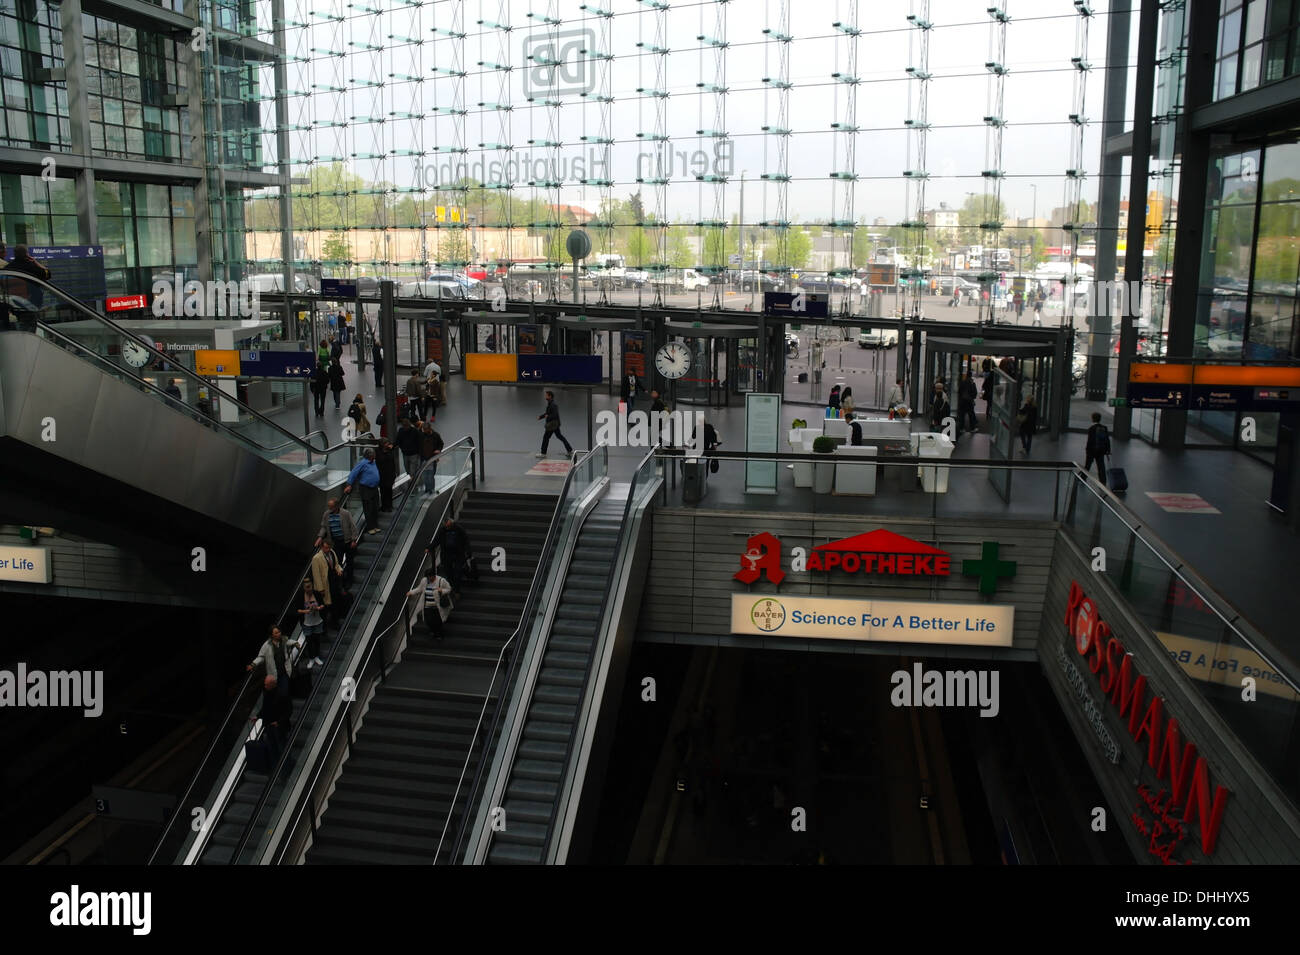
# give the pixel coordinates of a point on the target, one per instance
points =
(431, 593)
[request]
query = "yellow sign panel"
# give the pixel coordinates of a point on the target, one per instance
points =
(455, 215)
(440, 213)
(1226, 665)
(217, 362)
(491, 367)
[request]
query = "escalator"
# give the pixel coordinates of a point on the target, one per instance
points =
(75, 421)
(560, 718)
(395, 794)
(246, 814)
(533, 790)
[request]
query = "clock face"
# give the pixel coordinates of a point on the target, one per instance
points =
(673, 360)
(135, 355)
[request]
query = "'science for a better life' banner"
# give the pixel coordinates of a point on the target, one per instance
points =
(897, 621)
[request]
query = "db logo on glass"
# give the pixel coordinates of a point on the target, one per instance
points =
(558, 63)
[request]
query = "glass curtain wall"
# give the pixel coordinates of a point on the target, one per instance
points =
(147, 231)
(35, 114)
(131, 76)
(37, 212)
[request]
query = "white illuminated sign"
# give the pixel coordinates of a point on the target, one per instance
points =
(28, 564)
(892, 621)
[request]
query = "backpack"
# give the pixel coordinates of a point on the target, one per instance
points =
(1101, 440)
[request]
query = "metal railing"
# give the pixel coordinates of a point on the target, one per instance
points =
(581, 477)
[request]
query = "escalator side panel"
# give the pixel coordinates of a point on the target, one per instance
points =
(106, 425)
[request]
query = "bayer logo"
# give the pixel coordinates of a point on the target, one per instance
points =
(768, 614)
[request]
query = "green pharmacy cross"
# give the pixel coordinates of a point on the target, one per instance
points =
(988, 568)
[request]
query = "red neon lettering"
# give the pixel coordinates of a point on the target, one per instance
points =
(924, 564)
(1127, 695)
(815, 561)
(868, 563)
(1197, 801)
(1113, 649)
(885, 564)
(1072, 608)
(851, 563)
(832, 559)
(905, 564)
(1177, 771)
(1151, 729)
(941, 565)
(1096, 642)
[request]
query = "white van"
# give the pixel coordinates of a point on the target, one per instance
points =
(680, 280)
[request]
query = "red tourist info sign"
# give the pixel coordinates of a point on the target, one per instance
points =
(122, 303)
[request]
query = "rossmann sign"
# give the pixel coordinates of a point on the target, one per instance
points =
(878, 553)
(1163, 817)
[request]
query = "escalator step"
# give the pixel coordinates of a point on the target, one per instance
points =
(521, 833)
(504, 854)
(562, 676)
(524, 810)
(538, 769)
(546, 730)
(534, 790)
(542, 749)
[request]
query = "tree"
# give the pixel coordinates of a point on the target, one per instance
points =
(715, 248)
(863, 246)
(976, 210)
(336, 249)
(679, 255)
(641, 248)
(636, 208)
(798, 246)
(453, 246)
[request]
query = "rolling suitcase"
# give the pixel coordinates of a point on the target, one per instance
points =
(1117, 479)
(257, 756)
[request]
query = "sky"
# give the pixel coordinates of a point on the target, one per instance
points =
(366, 103)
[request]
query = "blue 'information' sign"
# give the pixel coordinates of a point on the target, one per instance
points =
(276, 364)
(561, 369)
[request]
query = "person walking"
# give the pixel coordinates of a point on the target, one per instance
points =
(338, 527)
(336, 382)
(366, 477)
(379, 365)
(1098, 447)
(336, 349)
(895, 395)
(453, 546)
(966, 395)
(986, 392)
(323, 352)
(416, 395)
(433, 601)
(552, 416)
(408, 442)
(327, 579)
(846, 401)
(313, 623)
(628, 390)
(435, 391)
(386, 461)
(357, 412)
(834, 400)
(320, 383)
(430, 448)
(939, 407)
(1028, 421)
(1018, 302)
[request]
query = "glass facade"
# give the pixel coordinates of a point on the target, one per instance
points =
(1257, 44)
(130, 76)
(146, 230)
(35, 211)
(35, 114)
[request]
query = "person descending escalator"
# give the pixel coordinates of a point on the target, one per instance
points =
(452, 545)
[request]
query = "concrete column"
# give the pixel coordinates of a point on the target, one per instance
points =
(282, 150)
(189, 69)
(74, 62)
(1096, 383)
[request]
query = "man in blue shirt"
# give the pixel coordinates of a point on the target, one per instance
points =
(366, 477)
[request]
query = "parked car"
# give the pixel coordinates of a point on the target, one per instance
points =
(877, 338)
(635, 278)
(680, 280)
(751, 281)
(431, 288)
(473, 287)
(946, 283)
(815, 283)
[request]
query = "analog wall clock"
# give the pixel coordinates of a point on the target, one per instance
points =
(673, 360)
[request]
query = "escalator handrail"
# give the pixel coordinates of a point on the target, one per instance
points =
(604, 609)
(376, 639)
(234, 706)
(336, 647)
(179, 370)
(178, 405)
(525, 622)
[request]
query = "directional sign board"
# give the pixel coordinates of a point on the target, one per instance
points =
(76, 269)
(784, 303)
(1214, 387)
(276, 364)
(561, 369)
(338, 288)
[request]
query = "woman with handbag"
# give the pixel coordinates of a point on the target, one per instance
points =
(357, 412)
(433, 602)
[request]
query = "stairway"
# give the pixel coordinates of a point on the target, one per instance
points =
(541, 760)
(226, 833)
(391, 801)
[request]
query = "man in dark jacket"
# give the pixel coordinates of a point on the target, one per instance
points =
(1098, 447)
(552, 416)
(452, 544)
(408, 442)
(320, 384)
(430, 447)
(939, 408)
(386, 459)
(986, 392)
(966, 395)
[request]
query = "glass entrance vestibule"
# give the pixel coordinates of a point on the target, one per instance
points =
(725, 363)
(1035, 368)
